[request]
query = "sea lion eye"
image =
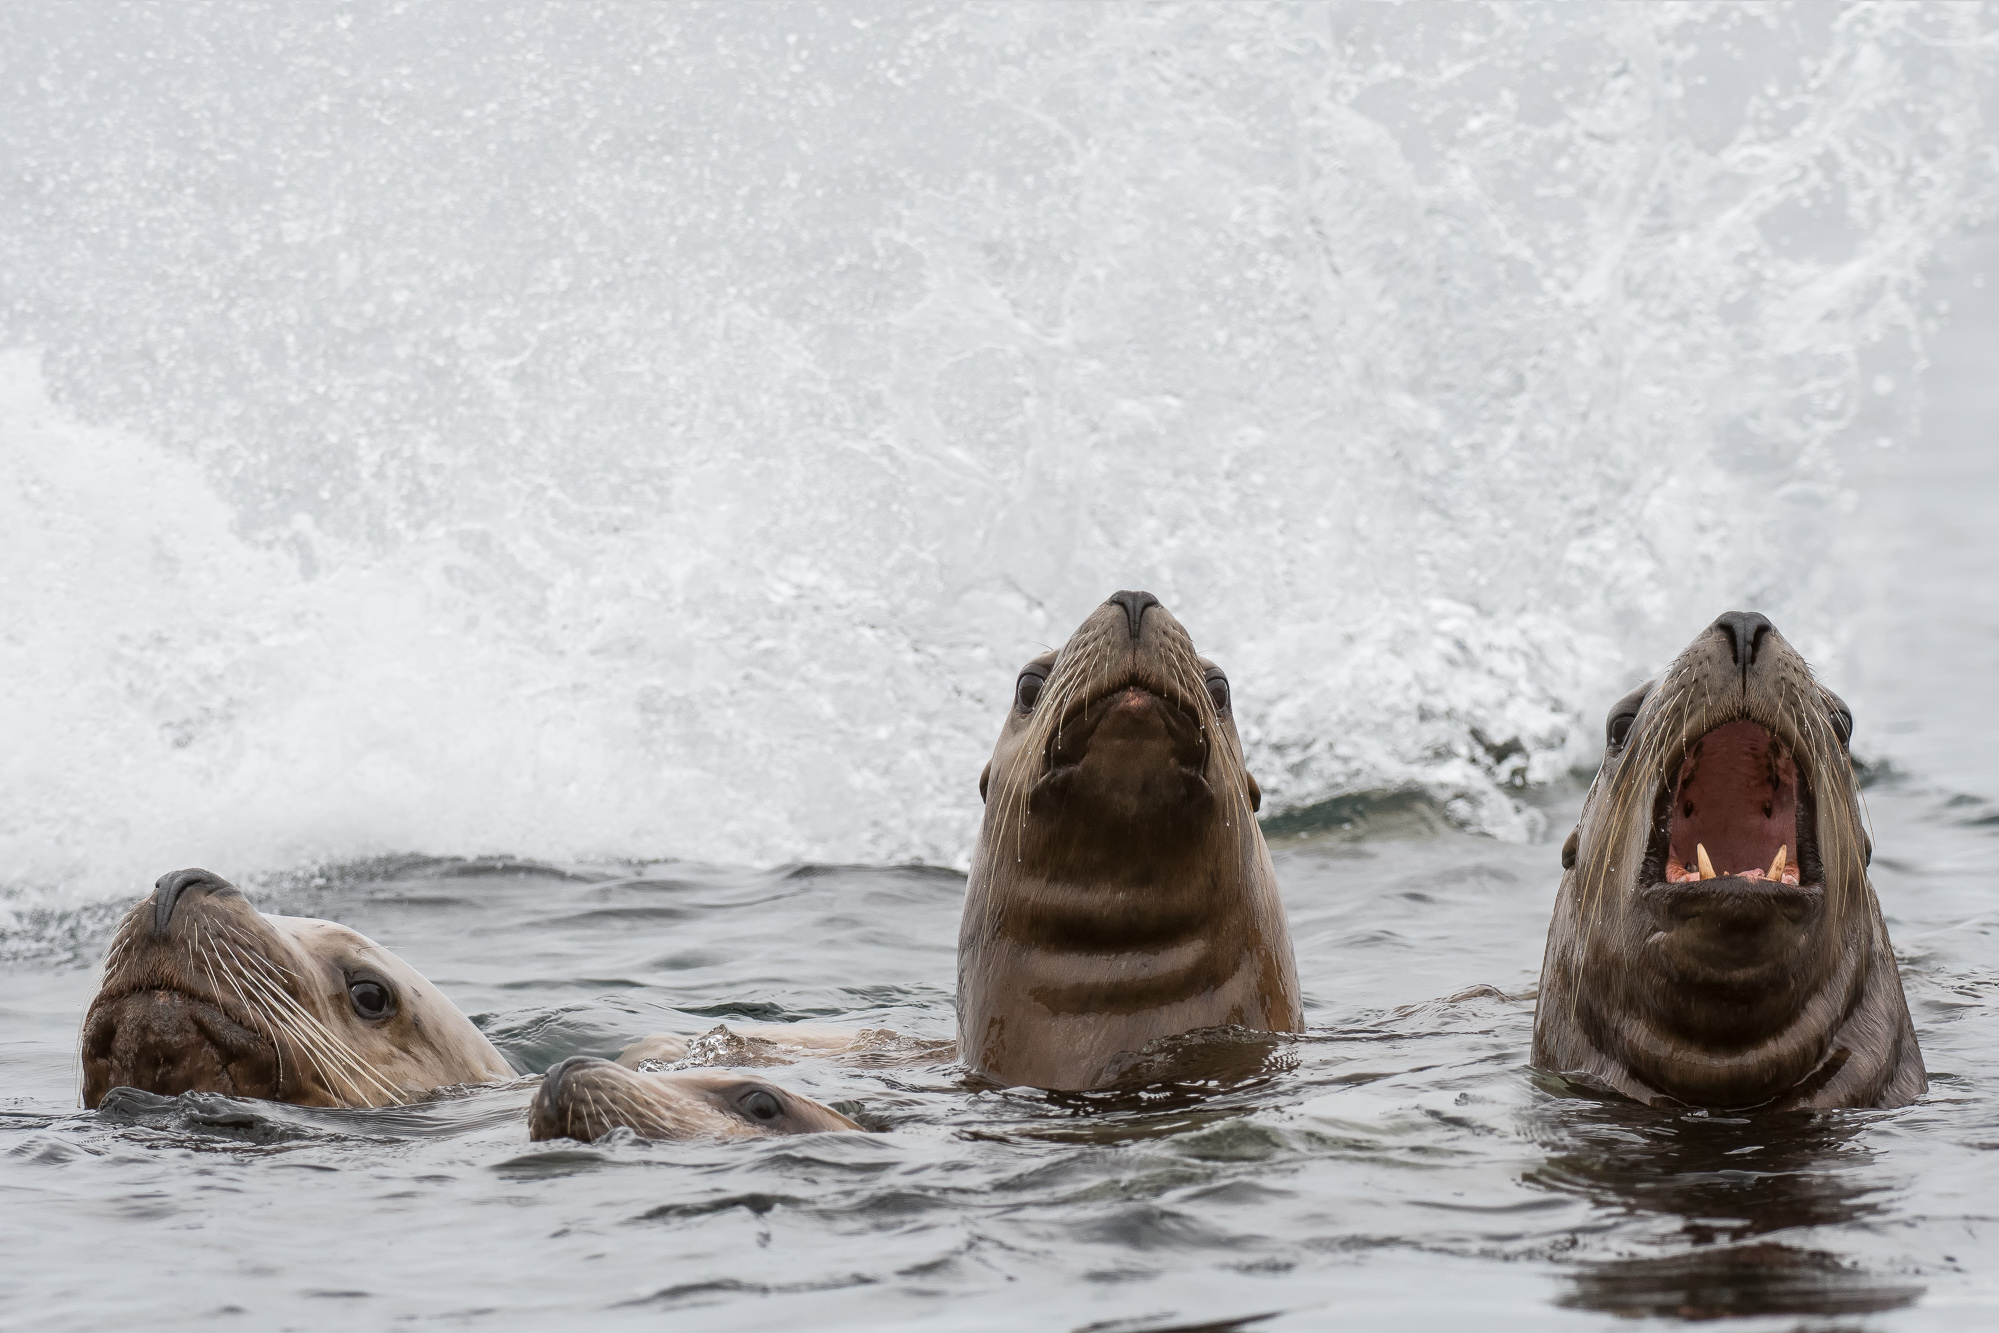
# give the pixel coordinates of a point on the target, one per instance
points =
(1028, 689)
(1617, 726)
(1218, 690)
(370, 998)
(760, 1105)
(1840, 716)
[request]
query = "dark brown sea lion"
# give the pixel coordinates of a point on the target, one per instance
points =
(1716, 941)
(585, 1099)
(1121, 890)
(204, 993)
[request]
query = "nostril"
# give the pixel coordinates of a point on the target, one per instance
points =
(169, 889)
(1135, 605)
(551, 1082)
(1744, 631)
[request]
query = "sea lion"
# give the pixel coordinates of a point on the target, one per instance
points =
(204, 993)
(1716, 941)
(583, 1098)
(1121, 890)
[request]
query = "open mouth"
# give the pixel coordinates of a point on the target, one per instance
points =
(1740, 807)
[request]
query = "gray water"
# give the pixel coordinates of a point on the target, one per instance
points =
(397, 522)
(1398, 1166)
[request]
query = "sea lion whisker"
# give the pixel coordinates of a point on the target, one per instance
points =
(357, 1071)
(282, 1027)
(282, 1017)
(253, 1012)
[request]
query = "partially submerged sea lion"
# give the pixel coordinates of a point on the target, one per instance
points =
(204, 993)
(584, 1099)
(1121, 891)
(1716, 941)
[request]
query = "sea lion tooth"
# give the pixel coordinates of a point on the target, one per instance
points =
(1120, 768)
(203, 993)
(1675, 990)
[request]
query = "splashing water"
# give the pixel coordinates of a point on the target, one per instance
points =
(663, 431)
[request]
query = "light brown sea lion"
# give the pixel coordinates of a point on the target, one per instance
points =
(584, 1099)
(1716, 941)
(1121, 891)
(204, 993)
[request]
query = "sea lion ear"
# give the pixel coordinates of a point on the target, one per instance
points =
(1255, 792)
(1569, 847)
(984, 774)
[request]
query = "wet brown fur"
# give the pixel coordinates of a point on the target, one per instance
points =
(1725, 992)
(1121, 890)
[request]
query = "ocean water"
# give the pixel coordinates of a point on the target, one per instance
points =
(565, 489)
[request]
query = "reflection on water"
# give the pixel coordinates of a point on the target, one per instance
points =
(1728, 1181)
(1734, 1280)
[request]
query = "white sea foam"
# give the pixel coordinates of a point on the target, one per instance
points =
(661, 433)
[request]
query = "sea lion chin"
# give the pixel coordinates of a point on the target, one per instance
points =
(204, 993)
(1121, 890)
(1716, 941)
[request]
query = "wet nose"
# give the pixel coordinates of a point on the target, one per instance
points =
(551, 1082)
(1135, 605)
(1744, 631)
(168, 889)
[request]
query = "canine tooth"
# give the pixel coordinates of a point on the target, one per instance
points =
(1707, 866)
(1777, 865)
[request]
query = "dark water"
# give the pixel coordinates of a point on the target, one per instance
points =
(1399, 1165)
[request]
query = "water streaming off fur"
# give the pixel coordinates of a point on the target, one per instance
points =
(540, 462)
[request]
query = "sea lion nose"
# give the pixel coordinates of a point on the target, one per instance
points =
(167, 891)
(1135, 605)
(1744, 631)
(551, 1082)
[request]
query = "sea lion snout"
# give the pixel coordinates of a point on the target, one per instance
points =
(169, 889)
(167, 1042)
(1135, 605)
(1743, 631)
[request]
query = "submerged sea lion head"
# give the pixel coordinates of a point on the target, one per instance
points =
(1121, 890)
(203, 993)
(1716, 934)
(584, 1098)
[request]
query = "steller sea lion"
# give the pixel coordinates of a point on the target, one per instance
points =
(585, 1099)
(1716, 941)
(1121, 890)
(204, 993)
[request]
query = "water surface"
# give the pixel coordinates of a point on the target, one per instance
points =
(1397, 1164)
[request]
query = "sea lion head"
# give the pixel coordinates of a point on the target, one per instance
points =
(1716, 925)
(1127, 732)
(203, 993)
(584, 1099)
(1121, 890)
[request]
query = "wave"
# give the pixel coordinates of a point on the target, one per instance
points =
(676, 455)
